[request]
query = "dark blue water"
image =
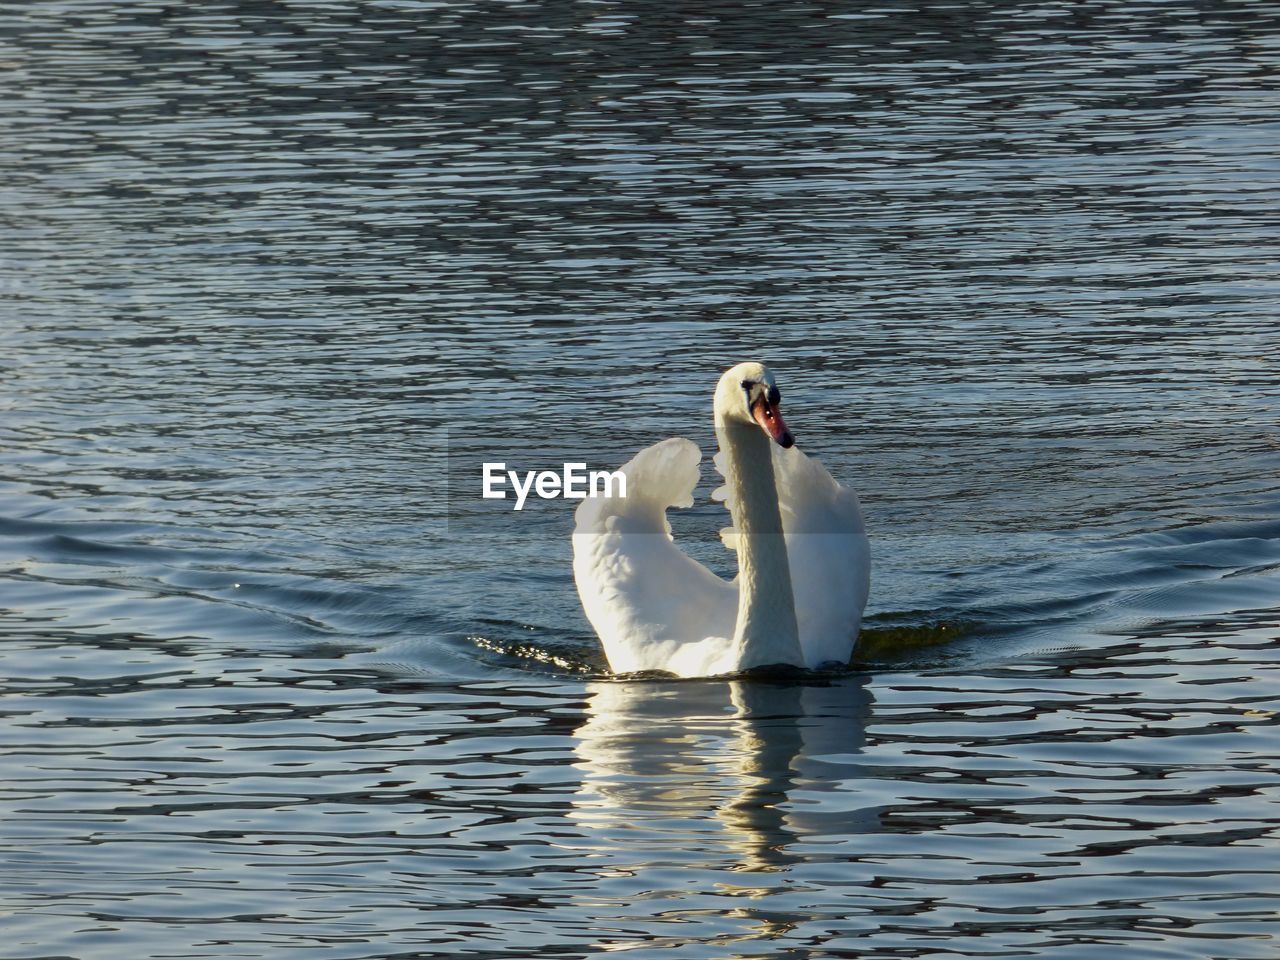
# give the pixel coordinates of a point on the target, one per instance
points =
(277, 278)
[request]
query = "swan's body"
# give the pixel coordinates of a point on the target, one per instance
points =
(803, 558)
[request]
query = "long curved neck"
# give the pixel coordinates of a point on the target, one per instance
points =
(766, 630)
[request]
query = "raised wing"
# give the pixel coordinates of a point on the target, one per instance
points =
(829, 554)
(653, 606)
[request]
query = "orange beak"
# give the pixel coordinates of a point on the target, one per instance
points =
(770, 419)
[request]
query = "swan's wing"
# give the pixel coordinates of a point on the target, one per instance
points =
(653, 606)
(828, 552)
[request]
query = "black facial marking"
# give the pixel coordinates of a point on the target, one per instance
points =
(775, 396)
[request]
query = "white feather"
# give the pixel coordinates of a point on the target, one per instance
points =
(656, 608)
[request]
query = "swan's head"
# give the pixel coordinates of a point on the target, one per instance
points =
(747, 393)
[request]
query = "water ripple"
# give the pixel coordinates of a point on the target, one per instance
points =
(275, 279)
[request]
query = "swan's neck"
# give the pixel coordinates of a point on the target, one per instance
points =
(766, 630)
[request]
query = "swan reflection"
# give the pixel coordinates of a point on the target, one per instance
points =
(738, 771)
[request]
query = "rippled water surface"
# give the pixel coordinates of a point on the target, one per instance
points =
(278, 276)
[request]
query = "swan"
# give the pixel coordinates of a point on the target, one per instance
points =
(803, 557)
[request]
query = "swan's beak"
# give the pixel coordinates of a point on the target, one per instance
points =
(770, 419)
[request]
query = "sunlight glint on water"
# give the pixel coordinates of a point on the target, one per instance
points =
(277, 280)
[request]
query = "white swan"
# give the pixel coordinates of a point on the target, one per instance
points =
(803, 557)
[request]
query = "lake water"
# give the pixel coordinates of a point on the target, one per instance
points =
(277, 277)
